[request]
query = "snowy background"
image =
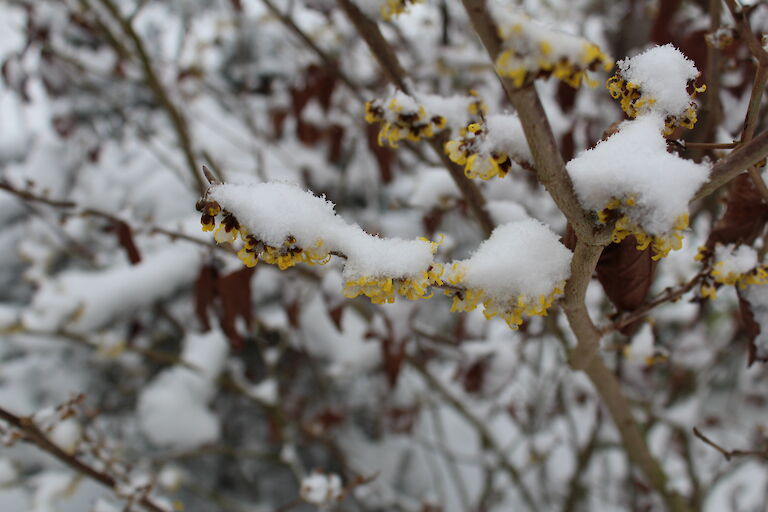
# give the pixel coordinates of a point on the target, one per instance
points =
(212, 385)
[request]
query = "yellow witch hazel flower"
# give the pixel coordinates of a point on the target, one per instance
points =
(738, 266)
(384, 289)
(660, 80)
(510, 309)
(392, 8)
(531, 50)
(411, 118)
(487, 149)
(662, 245)
(402, 118)
(524, 281)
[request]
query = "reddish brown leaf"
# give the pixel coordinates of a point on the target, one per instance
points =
(745, 215)
(751, 328)
(335, 136)
(234, 291)
(626, 273)
(125, 238)
(335, 314)
(472, 376)
(385, 157)
(205, 294)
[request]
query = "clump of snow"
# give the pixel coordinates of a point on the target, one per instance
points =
(8, 472)
(173, 409)
(662, 74)
(520, 258)
(634, 164)
(505, 134)
(321, 489)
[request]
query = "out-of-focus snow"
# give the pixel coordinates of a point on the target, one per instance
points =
(173, 408)
(85, 300)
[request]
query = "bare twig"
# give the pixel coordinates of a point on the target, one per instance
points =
(668, 295)
(178, 121)
(486, 437)
(729, 454)
(33, 434)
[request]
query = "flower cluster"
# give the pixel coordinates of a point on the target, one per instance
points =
(660, 80)
(465, 151)
(737, 266)
(392, 8)
(384, 289)
(488, 148)
(634, 102)
(402, 118)
(532, 50)
(511, 311)
(285, 256)
(624, 226)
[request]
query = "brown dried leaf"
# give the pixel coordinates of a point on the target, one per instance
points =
(234, 291)
(751, 328)
(626, 273)
(125, 239)
(385, 157)
(745, 215)
(205, 294)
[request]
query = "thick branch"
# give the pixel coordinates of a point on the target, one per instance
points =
(550, 167)
(735, 163)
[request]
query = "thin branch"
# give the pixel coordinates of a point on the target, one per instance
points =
(330, 63)
(729, 454)
(486, 437)
(178, 121)
(551, 171)
(64, 204)
(33, 434)
(668, 295)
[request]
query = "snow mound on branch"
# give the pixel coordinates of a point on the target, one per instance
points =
(173, 409)
(662, 73)
(273, 212)
(634, 163)
(520, 258)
